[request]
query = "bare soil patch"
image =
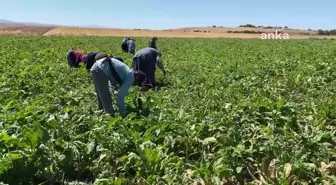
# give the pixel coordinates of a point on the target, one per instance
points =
(225, 30)
(196, 32)
(31, 30)
(141, 33)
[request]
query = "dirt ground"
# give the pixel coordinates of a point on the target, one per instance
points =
(200, 32)
(24, 30)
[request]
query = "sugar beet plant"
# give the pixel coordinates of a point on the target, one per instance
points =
(230, 111)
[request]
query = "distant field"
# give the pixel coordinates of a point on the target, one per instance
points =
(201, 32)
(24, 30)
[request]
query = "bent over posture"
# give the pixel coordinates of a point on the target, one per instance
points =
(75, 57)
(146, 60)
(128, 45)
(107, 69)
(89, 59)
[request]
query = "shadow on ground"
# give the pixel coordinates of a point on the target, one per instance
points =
(138, 111)
(156, 87)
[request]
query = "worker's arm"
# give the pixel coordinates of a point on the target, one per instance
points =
(123, 92)
(160, 64)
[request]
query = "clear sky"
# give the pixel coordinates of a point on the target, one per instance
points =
(173, 13)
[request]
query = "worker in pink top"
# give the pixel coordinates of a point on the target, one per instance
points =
(75, 57)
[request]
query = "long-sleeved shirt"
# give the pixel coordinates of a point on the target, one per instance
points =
(148, 54)
(146, 60)
(126, 75)
(78, 55)
(130, 44)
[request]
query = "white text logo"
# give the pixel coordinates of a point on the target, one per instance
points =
(275, 35)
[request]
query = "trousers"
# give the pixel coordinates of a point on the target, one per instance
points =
(100, 81)
(147, 67)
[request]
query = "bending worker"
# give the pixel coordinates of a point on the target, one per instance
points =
(89, 59)
(128, 45)
(146, 60)
(75, 57)
(110, 69)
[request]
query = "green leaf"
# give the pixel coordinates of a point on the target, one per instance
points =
(209, 140)
(239, 169)
(90, 147)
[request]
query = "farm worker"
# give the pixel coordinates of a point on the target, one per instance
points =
(152, 43)
(146, 60)
(128, 45)
(74, 58)
(110, 69)
(89, 59)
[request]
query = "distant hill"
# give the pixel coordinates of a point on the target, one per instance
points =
(212, 29)
(6, 22)
(12, 23)
(8, 27)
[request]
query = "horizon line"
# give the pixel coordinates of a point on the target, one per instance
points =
(14, 23)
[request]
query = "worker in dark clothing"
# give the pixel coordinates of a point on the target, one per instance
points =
(152, 43)
(128, 45)
(89, 59)
(145, 60)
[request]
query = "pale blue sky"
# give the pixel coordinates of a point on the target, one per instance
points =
(173, 13)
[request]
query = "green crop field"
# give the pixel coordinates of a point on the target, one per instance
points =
(230, 111)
